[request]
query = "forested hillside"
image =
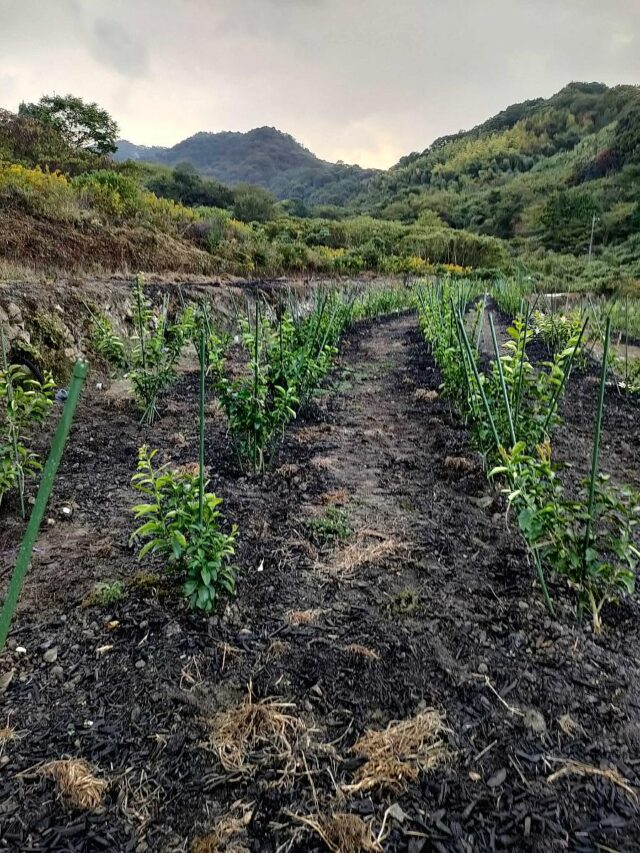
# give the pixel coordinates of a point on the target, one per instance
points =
(265, 157)
(538, 171)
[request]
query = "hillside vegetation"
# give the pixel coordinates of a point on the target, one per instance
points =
(549, 188)
(65, 206)
(535, 174)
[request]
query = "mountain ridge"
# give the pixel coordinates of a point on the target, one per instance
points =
(264, 156)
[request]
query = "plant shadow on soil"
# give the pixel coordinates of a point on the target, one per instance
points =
(428, 603)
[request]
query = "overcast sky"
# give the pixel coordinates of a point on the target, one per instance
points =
(358, 80)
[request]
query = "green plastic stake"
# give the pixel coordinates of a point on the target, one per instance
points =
(203, 370)
(42, 498)
(595, 459)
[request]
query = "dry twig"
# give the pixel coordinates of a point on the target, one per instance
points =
(577, 768)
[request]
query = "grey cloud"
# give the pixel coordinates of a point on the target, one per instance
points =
(355, 79)
(113, 45)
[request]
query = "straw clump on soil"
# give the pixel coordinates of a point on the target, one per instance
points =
(357, 555)
(255, 733)
(303, 617)
(459, 463)
(398, 754)
(359, 650)
(7, 734)
(426, 394)
(77, 783)
(223, 837)
(343, 833)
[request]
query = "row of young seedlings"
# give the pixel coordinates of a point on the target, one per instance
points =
(511, 407)
(287, 357)
(149, 357)
(556, 323)
(181, 520)
(288, 353)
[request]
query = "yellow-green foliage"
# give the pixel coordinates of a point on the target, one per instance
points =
(119, 199)
(105, 195)
(36, 191)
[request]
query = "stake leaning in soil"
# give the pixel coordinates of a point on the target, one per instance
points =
(46, 485)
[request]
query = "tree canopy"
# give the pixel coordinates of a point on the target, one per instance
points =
(82, 125)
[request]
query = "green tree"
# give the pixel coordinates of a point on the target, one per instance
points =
(627, 139)
(82, 125)
(253, 204)
(567, 218)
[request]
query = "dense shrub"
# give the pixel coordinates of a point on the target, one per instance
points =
(36, 191)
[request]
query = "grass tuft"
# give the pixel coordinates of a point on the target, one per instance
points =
(398, 754)
(77, 783)
(255, 733)
(343, 833)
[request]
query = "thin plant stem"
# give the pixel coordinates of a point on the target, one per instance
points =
(565, 377)
(522, 355)
(139, 299)
(467, 370)
(626, 342)
(480, 322)
(476, 375)
(503, 384)
(256, 378)
(595, 459)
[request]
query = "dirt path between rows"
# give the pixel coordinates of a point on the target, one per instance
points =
(380, 581)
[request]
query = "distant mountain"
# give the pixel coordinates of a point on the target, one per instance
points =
(130, 151)
(264, 156)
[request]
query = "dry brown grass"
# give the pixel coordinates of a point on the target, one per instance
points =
(229, 653)
(7, 734)
(325, 463)
(569, 726)
(355, 556)
(77, 782)
(288, 470)
(398, 754)
(256, 733)
(361, 553)
(343, 833)
(303, 617)
(189, 469)
(12, 271)
(338, 497)
(459, 463)
(362, 651)
(307, 434)
(221, 837)
(427, 395)
(276, 649)
(577, 768)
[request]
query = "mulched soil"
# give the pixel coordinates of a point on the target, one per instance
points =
(429, 603)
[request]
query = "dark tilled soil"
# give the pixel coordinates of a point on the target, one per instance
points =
(429, 602)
